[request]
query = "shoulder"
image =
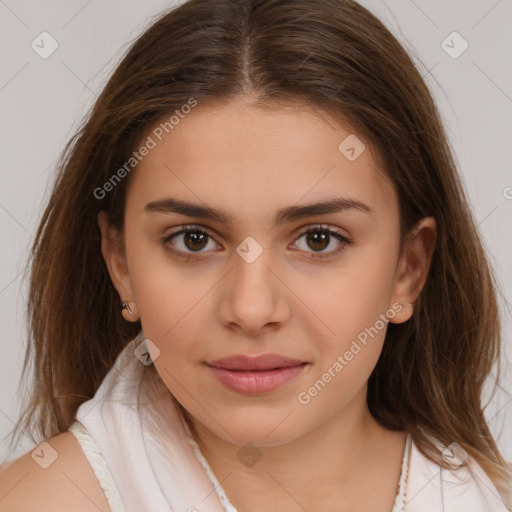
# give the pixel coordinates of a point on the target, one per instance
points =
(55, 476)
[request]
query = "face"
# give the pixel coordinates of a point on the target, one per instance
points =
(251, 280)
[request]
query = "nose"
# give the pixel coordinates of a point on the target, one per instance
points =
(253, 296)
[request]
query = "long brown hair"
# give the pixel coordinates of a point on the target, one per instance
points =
(334, 56)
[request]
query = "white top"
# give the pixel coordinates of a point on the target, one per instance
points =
(144, 456)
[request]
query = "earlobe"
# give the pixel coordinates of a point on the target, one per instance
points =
(414, 266)
(112, 251)
(129, 311)
(402, 313)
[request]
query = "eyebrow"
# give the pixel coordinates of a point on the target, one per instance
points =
(288, 214)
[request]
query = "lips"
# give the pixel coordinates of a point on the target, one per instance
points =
(263, 362)
(255, 375)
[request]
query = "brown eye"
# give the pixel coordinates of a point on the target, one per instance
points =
(188, 240)
(320, 238)
(318, 241)
(195, 241)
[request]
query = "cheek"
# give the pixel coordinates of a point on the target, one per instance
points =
(357, 295)
(355, 310)
(167, 296)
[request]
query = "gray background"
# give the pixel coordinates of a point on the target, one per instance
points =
(43, 100)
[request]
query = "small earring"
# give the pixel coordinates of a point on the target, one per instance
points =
(125, 306)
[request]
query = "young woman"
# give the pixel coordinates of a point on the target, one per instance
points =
(258, 285)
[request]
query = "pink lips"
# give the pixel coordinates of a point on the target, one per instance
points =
(255, 375)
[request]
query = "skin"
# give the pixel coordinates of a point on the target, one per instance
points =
(251, 162)
(28, 487)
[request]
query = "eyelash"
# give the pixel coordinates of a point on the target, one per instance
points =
(319, 228)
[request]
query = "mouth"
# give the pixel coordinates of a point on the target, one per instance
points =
(263, 362)
(256, 375)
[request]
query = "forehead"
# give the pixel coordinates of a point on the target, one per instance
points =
(249, 157)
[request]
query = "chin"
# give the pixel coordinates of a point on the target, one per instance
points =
(251, 428)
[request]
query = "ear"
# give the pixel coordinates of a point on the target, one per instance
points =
(113, 253)
(413, 267)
